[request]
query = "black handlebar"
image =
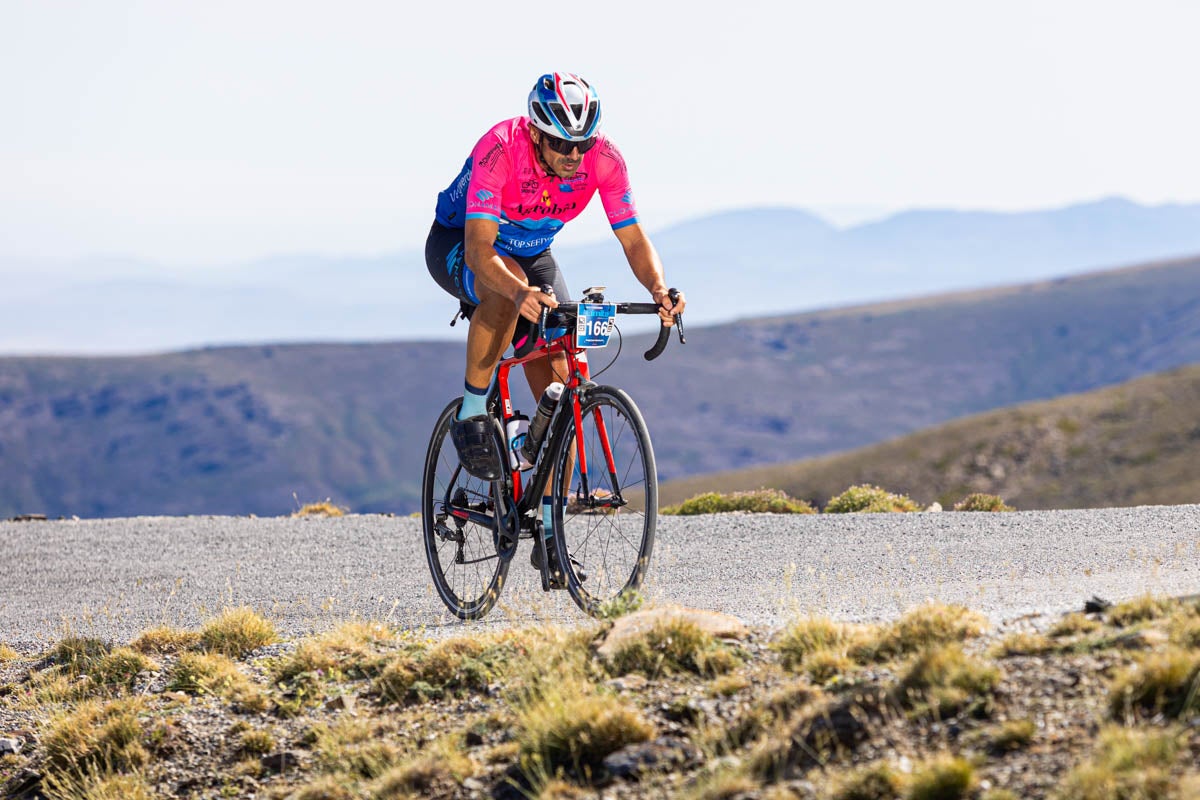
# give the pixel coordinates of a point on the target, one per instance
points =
(568, 311)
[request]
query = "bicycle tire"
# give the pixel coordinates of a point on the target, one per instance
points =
(467, 570)
(610, 544)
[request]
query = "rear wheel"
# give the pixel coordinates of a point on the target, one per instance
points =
(605, 500)
(467, 569)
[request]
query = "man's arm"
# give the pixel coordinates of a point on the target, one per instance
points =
(498, 275)
(643, 260)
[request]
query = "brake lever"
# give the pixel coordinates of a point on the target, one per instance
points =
(674, 295)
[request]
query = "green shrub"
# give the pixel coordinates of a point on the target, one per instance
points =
(869, 499)
(761, 501)
(982, 502)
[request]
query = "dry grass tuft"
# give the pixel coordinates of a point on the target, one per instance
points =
(326, 787)
(1073, 624)
(1129, 763)
(570, 726)
(1140, 609)
(672, 647)
(96, 784)
(347, 651)
(943, 681)
(362, 747)
(869, 500)
(921, 628)
(325, 508)
(237, 631)
(1023, 644)
(1013, 734)
(723, 784)
(808, 636)
(943, 778)
(1165, 683)
(878, 781)
(256, 742)
(165, 640)
(95, 736)
(7, 654)
(982, 502)
(87, 667)
(429, 773)
(215, 674)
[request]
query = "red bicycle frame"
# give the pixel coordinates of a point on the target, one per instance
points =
(577, 374)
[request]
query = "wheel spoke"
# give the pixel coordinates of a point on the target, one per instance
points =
(468, 585)
(612, 543)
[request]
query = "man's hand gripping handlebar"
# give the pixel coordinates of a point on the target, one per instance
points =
(569, 311)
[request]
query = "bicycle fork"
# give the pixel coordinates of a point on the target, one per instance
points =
(584, 495)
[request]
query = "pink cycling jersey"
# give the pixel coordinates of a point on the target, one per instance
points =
(504, 180)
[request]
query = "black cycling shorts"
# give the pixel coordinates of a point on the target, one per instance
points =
(445, 259)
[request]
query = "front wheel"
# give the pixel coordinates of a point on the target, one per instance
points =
(605, 499)
(467, 569)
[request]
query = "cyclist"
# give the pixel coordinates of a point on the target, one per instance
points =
(490, 241)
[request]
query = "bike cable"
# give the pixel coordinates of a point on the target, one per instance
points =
(620, 342)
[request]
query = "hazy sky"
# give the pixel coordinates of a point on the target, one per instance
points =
(205, 132)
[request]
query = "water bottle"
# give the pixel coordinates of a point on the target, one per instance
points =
(518, 430)
(541, 419)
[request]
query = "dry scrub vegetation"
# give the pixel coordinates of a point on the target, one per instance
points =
(862, 498)
(930, 706)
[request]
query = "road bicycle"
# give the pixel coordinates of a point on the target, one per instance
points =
(595, 452)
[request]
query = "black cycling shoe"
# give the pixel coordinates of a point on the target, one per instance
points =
(557, 576)
(475, 440)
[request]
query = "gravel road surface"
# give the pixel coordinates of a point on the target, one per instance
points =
(115, 577)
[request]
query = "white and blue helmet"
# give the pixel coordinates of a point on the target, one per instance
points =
(564, 105)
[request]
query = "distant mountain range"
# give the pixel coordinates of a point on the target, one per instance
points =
(257, 429)
(737, 264)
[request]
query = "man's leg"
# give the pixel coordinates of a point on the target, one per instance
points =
(491, 328)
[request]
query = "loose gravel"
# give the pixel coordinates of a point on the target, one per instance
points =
(113, 578)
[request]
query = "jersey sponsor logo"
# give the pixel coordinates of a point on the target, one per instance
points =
(460, 186)
(546, 207)
(514, 243)
(491, 156)
(483, 195)
(627, 198)
(530, 186)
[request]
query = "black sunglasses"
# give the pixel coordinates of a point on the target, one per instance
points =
(564, 147)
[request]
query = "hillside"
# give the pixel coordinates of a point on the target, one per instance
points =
(245, 429)
(1133, 444)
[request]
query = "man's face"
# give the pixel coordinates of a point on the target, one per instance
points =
(564, 166)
